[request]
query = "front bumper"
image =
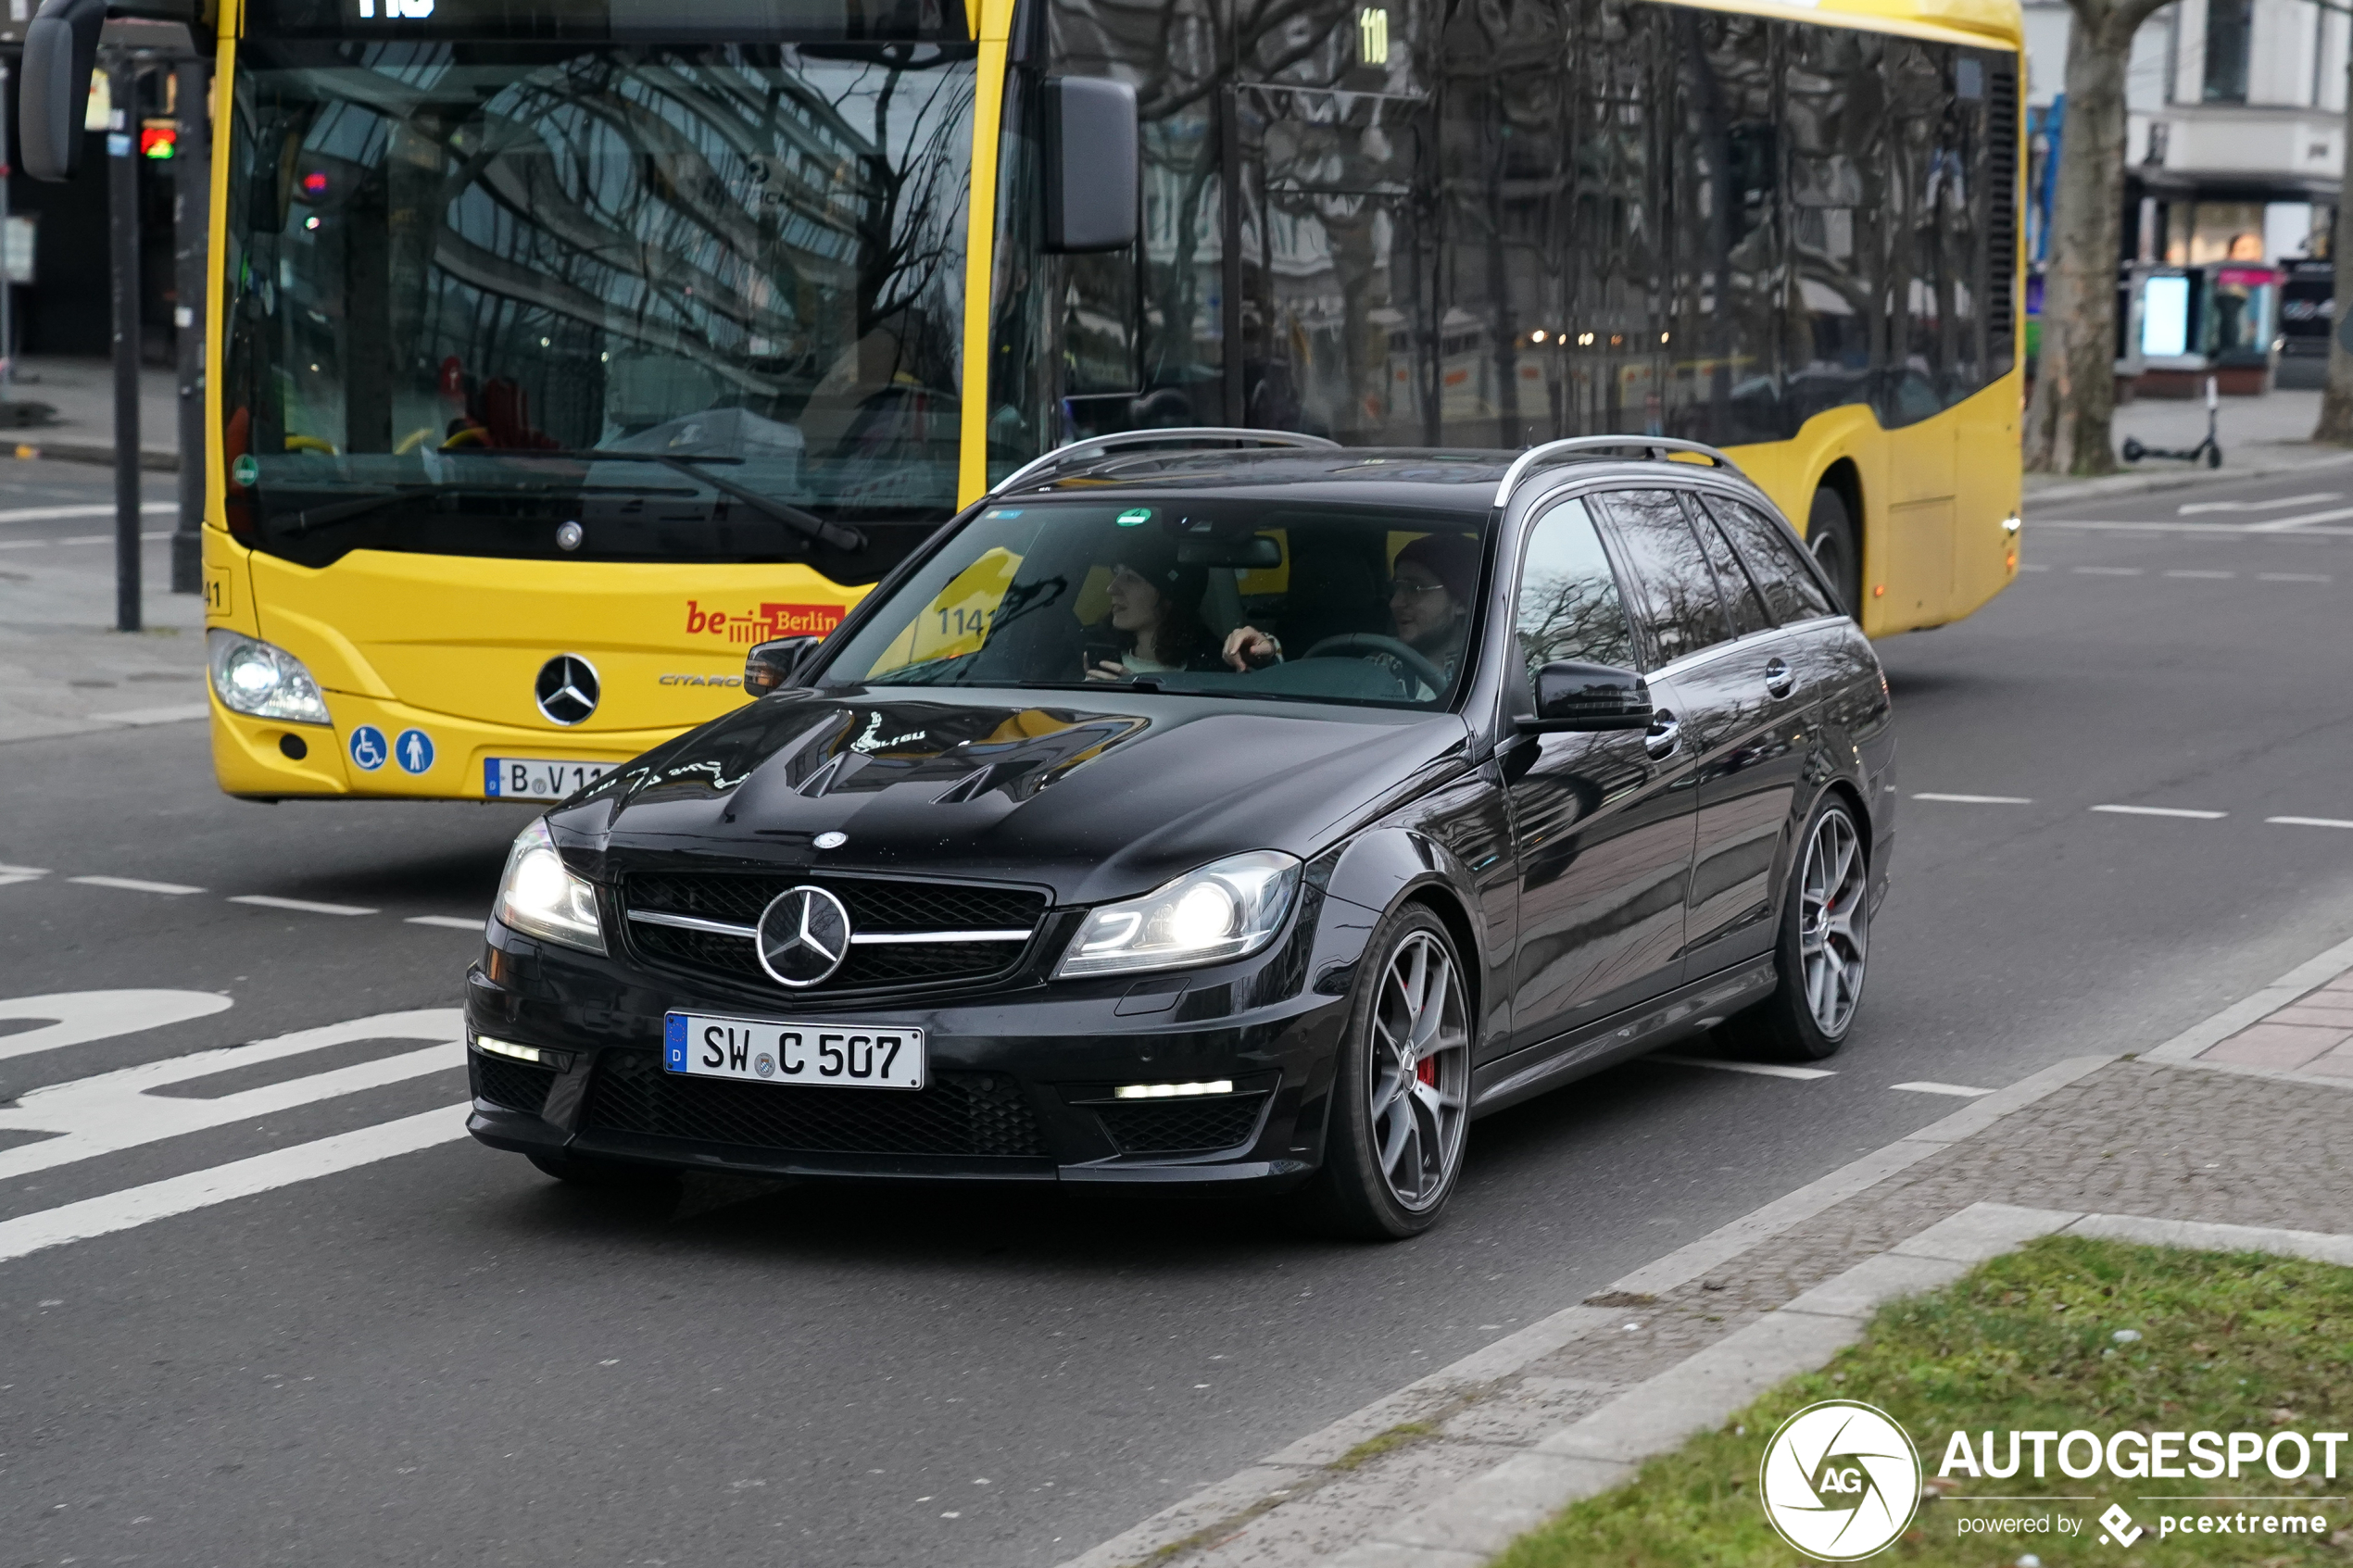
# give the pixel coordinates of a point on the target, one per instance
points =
(1018, 1084)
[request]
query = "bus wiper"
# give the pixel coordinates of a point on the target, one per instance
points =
(311, 519)
(809, 525)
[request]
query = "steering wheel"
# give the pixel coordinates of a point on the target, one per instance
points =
(1368, 643)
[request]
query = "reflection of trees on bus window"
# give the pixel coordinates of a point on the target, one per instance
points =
(1530, 218)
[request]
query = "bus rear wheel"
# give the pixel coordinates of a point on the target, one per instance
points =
(1830, 533)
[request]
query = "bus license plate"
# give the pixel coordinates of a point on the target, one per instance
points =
(833, 1055)
(537, 778)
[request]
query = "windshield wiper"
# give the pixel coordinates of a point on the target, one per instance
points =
(809, 525)
(311, 519)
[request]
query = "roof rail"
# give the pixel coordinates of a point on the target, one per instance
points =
(1656, 445)
(1188, 435)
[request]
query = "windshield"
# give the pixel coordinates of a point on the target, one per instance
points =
(1223, 597)
(479, 291)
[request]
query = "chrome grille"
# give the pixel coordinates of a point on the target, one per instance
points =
(904, 933)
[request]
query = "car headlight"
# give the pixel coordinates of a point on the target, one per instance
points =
(538, 897)
(269, 683)
(1227, 910)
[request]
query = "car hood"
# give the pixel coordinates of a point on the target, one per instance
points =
(1095, 797)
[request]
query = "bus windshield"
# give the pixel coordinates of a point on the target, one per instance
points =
(596, 299)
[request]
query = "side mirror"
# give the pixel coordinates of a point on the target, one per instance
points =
(60, 48)
(1093, 153)
(769, 667)
(1589, 697)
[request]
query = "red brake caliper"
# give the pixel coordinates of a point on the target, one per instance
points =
(1427, 1071)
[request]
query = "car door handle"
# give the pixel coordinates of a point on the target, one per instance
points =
(1661, 739)
(1779, 679)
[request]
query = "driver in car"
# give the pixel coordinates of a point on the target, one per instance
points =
(1430, 590)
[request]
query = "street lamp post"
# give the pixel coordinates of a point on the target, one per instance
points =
(122, 200)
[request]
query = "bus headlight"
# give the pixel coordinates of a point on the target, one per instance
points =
(1227, 910)
(257, 678)
(538, 897)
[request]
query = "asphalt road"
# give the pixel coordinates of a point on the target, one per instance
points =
(443, 1357)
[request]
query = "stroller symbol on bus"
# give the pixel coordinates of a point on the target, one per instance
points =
(413, 751)
(368, 748)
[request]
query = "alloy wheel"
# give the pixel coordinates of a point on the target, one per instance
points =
(1833, 922)
(1420, 1081)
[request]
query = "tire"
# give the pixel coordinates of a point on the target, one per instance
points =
(1400, 1099)
(590, 1173)
(1821, 963)
(1829, 534)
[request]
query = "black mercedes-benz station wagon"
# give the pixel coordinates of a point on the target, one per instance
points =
(1220, 808)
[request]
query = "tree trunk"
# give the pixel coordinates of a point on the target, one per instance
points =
(2336, 403)
(2067, 424)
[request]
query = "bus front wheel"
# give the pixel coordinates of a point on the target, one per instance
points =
(1830, 533)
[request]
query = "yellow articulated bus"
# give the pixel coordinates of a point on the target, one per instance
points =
(564, 349)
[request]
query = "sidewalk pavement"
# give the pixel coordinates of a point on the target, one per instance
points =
(62, 670)
(1443, 1472)
(2259, 437)
(82, 391)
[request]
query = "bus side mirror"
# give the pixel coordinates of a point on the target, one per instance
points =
(1588, 698)
(1093, 154)
(60, 49)
(769, 666)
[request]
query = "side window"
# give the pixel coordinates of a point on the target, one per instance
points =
(1676, 585)
(1732, 584)
(1568, 606)
(1773, 559)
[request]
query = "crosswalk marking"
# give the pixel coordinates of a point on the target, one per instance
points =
(199, 1189)
(84, 1016)
(115, 1110)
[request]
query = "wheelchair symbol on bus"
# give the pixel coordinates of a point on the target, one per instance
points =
(413, 751)
(368, 748)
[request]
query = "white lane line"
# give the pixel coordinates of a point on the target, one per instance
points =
(2293, 577)
(133, 884)
(1975, 799)
(1761, 1068)
(2283, 524)
(83, 1016)
(137, 1206)
(452, 922)
(24, 871)
(2106, 570)
(114, 1110)
(7, 877)
(2212, 575)
(2240, 528)
(2162, 812)
(1924, 1087)
(2310, 822)
(301, 906)
(178, 713)
(2273, 505)
(51, 514)
(108, 538)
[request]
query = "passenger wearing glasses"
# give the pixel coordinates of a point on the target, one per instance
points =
(1431, 592)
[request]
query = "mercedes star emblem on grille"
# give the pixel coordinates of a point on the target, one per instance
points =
(566, 689)
(804, 934)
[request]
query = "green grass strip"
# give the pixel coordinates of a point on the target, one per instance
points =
(2227, 1342)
